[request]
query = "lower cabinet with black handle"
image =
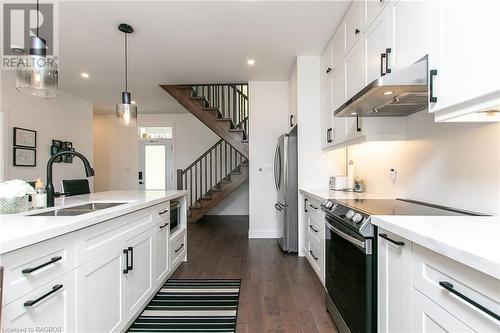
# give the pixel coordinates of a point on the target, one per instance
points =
(421, 290)
(95, 279)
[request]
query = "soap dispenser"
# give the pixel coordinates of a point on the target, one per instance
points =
(40, 197)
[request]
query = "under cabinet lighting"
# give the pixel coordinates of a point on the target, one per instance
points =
(388, 93)
(354, 113)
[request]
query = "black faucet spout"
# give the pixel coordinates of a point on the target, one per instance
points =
(50, 187)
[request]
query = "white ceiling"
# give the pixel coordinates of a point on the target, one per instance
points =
(185, 42)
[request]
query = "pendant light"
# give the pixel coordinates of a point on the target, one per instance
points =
(126, 112)
(36, 74)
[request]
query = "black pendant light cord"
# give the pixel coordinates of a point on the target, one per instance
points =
(37, 18)
(126, 65)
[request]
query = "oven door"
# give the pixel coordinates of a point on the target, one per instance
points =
(349, 278)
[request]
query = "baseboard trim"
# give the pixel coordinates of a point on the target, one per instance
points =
(264, 234)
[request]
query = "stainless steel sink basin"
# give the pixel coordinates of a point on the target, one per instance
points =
(79, 210)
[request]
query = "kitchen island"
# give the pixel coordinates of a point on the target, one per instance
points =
(92, 262)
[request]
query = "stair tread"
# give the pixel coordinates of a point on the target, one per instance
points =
(223, 119)
(236, 130)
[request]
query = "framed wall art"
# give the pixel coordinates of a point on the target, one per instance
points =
(24, 157)
(24, 137)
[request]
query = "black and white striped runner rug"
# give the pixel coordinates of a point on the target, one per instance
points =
(191, 305)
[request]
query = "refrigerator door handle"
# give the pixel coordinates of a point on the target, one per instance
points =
(277, 167)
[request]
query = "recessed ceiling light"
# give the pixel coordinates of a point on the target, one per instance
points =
(388, 92)
(133, 102)
(85, 75)
(250, 62)
(354, 113)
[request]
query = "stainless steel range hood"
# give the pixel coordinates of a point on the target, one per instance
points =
(397, 94)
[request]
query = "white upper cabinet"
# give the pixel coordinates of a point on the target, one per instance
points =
(338, 133)
(370, 10)
(377, 39)
(464, 60)
(338, 49)
(292, 91)
(353, 25)
(327, 62)
(326, 108)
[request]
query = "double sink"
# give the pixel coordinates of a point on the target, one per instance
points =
(79, 210)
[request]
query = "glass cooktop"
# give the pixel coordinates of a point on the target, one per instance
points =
(400, 207)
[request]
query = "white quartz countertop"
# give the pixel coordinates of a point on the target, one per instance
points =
(19, 230)
(471, 240)
(324, 194)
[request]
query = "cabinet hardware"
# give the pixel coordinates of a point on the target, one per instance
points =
(448, 286)
(432, 98)
(313, 207)
(382, 57)
(131, 249)
(328, 70)
(398, 243)
(356, 31)
(51, 261)
(312, 228)
(125, 270)
(358, 126)
(180, 247)
(305, 205)
(312, 255)
(387, 52)
(291, 120)
(163, 212)
(164, 225)
(33, 302)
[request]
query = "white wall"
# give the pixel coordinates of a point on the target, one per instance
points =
(451, 164)
(268, 103)
(116, 153)
(67, 118)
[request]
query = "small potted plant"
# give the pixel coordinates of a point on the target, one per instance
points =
(14, 196)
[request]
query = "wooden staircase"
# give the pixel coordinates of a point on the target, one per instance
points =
(224, 166)
(221, 107)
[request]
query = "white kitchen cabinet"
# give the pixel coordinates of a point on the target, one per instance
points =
(53, 306)
(377, 39)
(370, 10)
(353, 25)
(101, 293)
(161, 248)
(427, 316)
(326, 109)
(139, 278)
(339, 48)
(394, 283)
(313, 241)
(464, 56)
(355, 81)
(292, 108)
(326, 62)
(338, 132)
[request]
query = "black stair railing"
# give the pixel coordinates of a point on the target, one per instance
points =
(231, 100)
(208, 171)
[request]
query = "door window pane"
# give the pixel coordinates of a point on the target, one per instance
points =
(154, 160)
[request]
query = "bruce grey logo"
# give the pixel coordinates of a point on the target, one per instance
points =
(23, 21)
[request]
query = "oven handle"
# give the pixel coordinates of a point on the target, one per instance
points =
(346, 237)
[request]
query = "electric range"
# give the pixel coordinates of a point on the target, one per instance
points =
(351, 256)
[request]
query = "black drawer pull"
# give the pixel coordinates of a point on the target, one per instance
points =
(33, 302)
(180, 247)
(163, 212)
(164, 225)
(312, 228)
(312, 255)
(448, 286)
(387, 52)
(398, 243)
(51, 261)
(382, 58)
(131, 249)
(125, 270)
(313, 207)
(432, 98)
(305, 205)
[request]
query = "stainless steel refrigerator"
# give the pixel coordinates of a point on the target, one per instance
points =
(285, 179)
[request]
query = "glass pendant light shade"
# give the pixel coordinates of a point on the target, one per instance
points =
(37, 75)
(126, 112)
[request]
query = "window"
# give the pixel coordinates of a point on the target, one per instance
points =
(155, 132)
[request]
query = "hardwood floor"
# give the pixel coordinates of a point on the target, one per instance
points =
(279, 292)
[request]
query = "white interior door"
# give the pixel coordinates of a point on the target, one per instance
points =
(156, 171)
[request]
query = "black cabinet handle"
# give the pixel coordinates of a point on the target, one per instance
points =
(382, 58)
(180, 247)
(125, 270)
(163, 212)
(51, 261)
(399, 243)
(312, 228)
(358, 125)
(356, 31)
(164, 225)
(291, 120)
(328, 70)
(312, 255)
(131, 249)
(33, 302)
(432, 98)
(448, 286)
(387, 52)
(313, 207)
(305, 205)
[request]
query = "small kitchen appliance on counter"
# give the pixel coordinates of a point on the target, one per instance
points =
(351, 256)
(338, 183)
